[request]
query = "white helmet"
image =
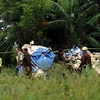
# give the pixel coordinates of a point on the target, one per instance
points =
(84, 48)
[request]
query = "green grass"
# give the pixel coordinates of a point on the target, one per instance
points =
(60, 85)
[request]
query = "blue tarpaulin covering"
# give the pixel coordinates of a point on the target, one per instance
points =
(42, 57)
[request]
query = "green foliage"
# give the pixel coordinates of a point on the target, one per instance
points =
(60, 85)
(42, 39)
(88, 11)
(94, 19)
(30, 24)
(73, 39)
(68, 5)
(26, 17)
(78, 16)
(95, 34)
(93, 42)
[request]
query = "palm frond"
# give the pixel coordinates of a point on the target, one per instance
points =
(64, 4)
(68, 5)
(56, 22)
(97, 28)
(93, 42)
(2, 35)
(93, 19)
(58, 8)
(94, 34)
(88, 11)
(86, 5)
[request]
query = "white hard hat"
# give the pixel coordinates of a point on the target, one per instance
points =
(84, 48)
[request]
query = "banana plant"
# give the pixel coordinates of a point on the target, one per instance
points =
(74, 16)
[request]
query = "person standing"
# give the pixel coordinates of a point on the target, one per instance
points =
(19, 58)
(85, 60)
(27, 62)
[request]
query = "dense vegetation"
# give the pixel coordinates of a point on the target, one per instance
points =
(55, 23)
(59, 85)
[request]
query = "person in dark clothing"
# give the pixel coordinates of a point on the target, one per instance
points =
(27, 62)
(86, 59)
(59, 56)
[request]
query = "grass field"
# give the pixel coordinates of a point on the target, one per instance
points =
(59, 85)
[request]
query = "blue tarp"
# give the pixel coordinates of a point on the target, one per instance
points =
(42, 57)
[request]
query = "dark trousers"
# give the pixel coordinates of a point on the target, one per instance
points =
(28, 71)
